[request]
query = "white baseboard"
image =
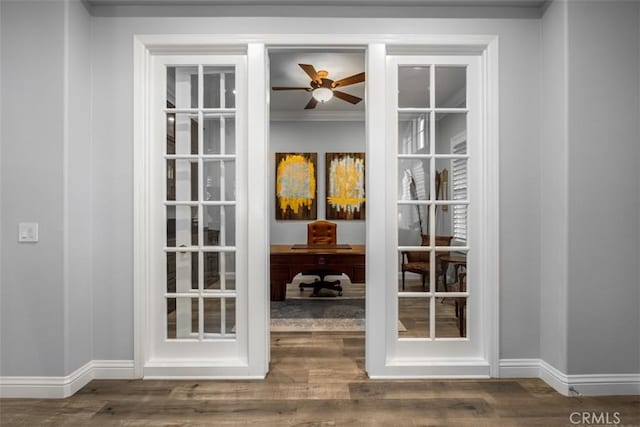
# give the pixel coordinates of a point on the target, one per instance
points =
(571, 385)
(519, 368)
(568, 385)
(555, 378)
(61, 387)
(113, 370)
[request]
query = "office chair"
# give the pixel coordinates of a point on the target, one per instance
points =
(322, 233)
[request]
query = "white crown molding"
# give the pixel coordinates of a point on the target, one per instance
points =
(62, 387)
(439, 3)
(571, 385)
(316, 116)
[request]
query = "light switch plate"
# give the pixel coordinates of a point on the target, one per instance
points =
(28, 232)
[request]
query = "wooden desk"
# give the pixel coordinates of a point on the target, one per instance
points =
(286, 262)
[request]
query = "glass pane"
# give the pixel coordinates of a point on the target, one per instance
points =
(230, 92)
(217, 172)
(182, 317)
(182, 180)
(451, 317)
(459, 224)
(452, 271)
(213, 270)
(452, 179)
(413, 87)
(413, 179)
(413, 316)
(182, 133)
(450, 127)
(213, 141)
(212, 315)
(213, 222)
(451, 87)
(217, 81)
(452, 222)
(182, 87)
(182, 226)
(182, 271)
(413, 133)
(414, 268)
(230, 315)
(171, 133)
(230, 270)
(412, 223)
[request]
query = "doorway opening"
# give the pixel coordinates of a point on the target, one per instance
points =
(317, 167)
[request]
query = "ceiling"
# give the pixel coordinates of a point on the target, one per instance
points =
(413, 90)
(286, 72)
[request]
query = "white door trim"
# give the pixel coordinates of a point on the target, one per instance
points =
(378, 46)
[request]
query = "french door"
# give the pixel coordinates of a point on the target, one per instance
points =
(198, 289)
(435, 324)
(432, 246)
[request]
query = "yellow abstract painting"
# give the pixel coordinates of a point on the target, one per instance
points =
(296, 186)
(345, 176)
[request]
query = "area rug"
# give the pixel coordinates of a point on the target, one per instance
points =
(319, 314)
(318, 308)
(349, 291)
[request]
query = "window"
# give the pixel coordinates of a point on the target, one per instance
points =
(459, 192)
(421, 137)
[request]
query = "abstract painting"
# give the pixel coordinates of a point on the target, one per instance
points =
(345, 185)
(296, 186)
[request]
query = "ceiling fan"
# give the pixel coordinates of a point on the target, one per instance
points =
(323, 89)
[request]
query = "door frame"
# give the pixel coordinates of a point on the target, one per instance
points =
(377, 47)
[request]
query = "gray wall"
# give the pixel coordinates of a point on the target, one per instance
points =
(79, 227)
(604, 177)
(569, 156)
(32, 306)
(113, 169)
(314, 137)
(553, 188)
(590, 182)
(46, 178)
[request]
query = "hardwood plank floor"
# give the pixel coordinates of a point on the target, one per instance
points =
(316, 379)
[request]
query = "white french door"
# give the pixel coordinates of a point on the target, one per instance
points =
(197, 221)
(435, 312)
(197, 297)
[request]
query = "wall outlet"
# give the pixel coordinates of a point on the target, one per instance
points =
(28, 232)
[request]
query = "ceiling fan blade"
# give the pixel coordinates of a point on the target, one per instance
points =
(351, 80)
(312, 104)
(290, 88)
(311, 72)
(346, 97)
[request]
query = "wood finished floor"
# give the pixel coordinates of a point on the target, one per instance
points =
(316, 379)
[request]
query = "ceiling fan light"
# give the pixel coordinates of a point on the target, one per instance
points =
(322, 94)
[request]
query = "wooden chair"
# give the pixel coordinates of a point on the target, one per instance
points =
(420, 262)
(461, 303)
(322, 233)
